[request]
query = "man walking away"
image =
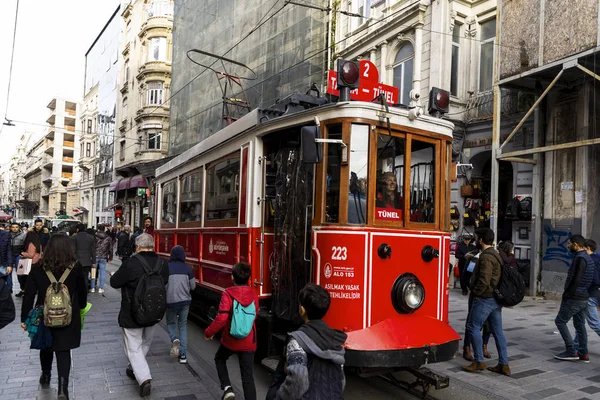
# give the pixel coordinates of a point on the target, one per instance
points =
(124, 244)
(104, 247)
(594, 291)
(17, 241)
(85, 251)
(574, 304)
(179, 297)
(465, 247)
(6, 258)
(7, 306)
(138, 338)
(243, 297)
(486, 277)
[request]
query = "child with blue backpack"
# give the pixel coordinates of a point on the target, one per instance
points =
(236, 322)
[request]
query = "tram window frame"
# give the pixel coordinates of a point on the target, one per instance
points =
(210, 222)
(164, 223)
(200, 200)
(359, 141)
(437, 156)
(375, 177)
(335, 130)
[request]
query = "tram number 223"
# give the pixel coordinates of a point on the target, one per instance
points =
(339, 253)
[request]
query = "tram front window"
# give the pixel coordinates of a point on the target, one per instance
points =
(389, 203)
(359, 171)
(422, 182)
(332, 190)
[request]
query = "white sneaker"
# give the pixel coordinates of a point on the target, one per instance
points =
(175, 348)
(92, 290)
(100, 290)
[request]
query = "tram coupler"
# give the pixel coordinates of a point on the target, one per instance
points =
(436, 380)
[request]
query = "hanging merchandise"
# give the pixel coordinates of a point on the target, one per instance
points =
(466, 190)
(525, 209)
(454, 218)
(513, 209)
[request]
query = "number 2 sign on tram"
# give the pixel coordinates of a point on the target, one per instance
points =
(369, 88)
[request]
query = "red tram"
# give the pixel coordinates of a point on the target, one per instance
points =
(347, 195)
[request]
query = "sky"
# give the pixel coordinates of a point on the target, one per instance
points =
(51, 41)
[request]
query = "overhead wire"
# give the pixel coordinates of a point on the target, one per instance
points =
(12, 57)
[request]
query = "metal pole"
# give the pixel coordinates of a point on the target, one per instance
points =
(536, 220)
(496, 130)
(344, 93)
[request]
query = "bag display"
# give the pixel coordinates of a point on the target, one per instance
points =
(242, 319)
(513, 208)
(149, 302)
(511, 288)
(58, 311)
(466, 190)
(24, 267)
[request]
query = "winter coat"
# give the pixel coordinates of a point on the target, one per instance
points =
(127, 277)
(595, 288)
(44, 236)
(461, 252)
(124, 245)
(181, 280)
(69, 337)
(313, 365)
(244, 295)
(508, 259)
(580, 277)
(6, 257)
(31, 253)
(104, 246)
(7, 306)
(486, 274)
(85, 248)
(17, 242)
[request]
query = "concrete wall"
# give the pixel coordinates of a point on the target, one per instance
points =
(278, 52)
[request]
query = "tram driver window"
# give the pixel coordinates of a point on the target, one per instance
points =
(191, 198)
(332, 182)
(359, 171)
(422, 182)
(222, 193)
(389, 203)
(169, 203)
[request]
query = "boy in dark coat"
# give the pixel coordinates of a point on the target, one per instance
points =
(313, 365)
(7, 306)
(244, 348)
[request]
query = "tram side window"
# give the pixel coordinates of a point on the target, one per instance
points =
(389, 203)
(222, 195)
(359, 171)
(191, 198)
(332, 183)
(169, 203)
(422, 182)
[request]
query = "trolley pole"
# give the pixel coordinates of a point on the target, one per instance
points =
(496, 130)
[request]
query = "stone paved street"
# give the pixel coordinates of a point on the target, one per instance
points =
(98, 369)
(532, 342)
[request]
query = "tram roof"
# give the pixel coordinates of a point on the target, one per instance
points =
(263, 122)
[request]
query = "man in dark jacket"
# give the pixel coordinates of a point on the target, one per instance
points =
(7, 306)
(486, 277)
(465, 247)
(124, 245)
(85, 250)
(17, 241)
(104, 247)
(313, 365)
(42, 232)
(594, 291)
(137, 338)
(6, 259)
(580, 278)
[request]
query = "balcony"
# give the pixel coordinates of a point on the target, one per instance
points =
(126, 49)
(70, 128)
(49, 146)
(71, 112)
(66, 176)
(152, 112)
(159, 22)
(125, 87)
(155, 67)
(51, 119)
(47, 161)
(123, 126)
(68, 160)
(69, 144)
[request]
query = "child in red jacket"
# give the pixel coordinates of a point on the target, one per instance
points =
(242, 294)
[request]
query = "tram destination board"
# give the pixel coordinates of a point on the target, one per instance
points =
(369, 88)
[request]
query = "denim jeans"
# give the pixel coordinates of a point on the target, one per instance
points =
(486, 331)
(178, 317)
(576, 309)
(101, 272)
(8, 277)
(486, 309)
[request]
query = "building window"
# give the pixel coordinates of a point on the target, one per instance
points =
(122, 151)
(157, 49)
(364, 9)
(124, 109)
(126, 71)
(154, 93)
(486, 60)
(140, 142)
(403, 71)
(89, 126)
(154, 140)
(88, 150)
(455, 60)
(160, 8)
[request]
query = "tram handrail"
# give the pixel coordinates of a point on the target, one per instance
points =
(263, 162)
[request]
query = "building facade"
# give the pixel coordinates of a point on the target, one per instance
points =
(32, 203)
(144, 82)
(17, 166)
(98, 124)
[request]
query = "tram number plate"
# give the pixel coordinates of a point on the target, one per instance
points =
(339, 253)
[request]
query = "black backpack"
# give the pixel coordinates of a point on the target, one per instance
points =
(150, 298)
(525, 209)
(511, 287)
(513, 208)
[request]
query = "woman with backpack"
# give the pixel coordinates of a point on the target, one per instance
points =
(58, 265)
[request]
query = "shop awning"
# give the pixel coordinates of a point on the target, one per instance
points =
(111, 207)
(113, 185)
(79, 210)
(138, 181)
(5, 217)
(124, 184)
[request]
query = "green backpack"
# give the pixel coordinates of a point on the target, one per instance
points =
(242, 319)
(58, 311)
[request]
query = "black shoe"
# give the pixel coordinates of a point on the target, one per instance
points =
(145, 388)
(45, 379)
(63, 389)
(464, 292)
(129, 372)
(20, 294)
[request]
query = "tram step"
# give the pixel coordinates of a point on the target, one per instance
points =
(279, 337)
(270, 363)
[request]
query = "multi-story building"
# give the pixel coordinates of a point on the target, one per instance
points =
(59, 192)
(144, 82)
(18, 164)
(4, 186)
(33, 203)
(98, 119)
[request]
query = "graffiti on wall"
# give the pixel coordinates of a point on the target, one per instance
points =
(556, 246)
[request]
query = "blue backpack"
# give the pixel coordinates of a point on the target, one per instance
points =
(242, 319)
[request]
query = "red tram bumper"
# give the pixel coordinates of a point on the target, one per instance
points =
(401, 341)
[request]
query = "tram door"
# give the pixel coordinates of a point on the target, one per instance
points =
(288, 212)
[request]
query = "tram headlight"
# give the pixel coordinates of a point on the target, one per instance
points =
(408, 294)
